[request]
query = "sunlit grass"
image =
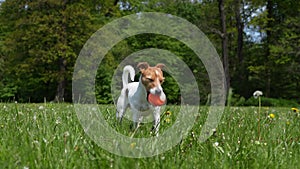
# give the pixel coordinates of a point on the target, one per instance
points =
(50, 136)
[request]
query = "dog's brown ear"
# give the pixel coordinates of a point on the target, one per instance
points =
(142, 65)
(161, 66)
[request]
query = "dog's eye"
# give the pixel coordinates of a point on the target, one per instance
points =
(150, 80)
(161, 81)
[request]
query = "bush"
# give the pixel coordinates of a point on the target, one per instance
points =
(271, 102)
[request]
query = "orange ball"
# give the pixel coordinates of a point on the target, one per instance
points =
(155, 100)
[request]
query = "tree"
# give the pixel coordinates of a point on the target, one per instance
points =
(44, 43)
(39, 42)
(276, 53)
(224, 37)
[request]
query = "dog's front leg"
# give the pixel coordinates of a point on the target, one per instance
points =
(156, 120)
(137, 119)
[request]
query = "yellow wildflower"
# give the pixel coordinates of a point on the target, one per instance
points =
(295, 110)
(167, 120)
(272, 116)
(132, 145)
(168, 113)
(288, 122)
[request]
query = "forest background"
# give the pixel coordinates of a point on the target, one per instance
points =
(258, 42)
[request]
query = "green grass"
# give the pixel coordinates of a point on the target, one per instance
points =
(50, 136)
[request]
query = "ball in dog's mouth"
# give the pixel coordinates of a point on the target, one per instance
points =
(157, 100)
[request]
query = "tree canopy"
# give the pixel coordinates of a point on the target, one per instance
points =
(257, 41)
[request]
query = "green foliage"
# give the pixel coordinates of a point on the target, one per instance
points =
(268, 102)
(104, 80)
(272, 102)
(44, 33)
(40, 41)
(7, 91)
(274, 58)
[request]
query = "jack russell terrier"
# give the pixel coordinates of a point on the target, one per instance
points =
(142, 97)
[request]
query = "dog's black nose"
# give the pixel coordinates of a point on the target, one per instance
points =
(157, 91)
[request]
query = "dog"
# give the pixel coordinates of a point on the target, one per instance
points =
(136, 94)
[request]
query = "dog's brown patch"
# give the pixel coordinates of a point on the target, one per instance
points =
(151, 76)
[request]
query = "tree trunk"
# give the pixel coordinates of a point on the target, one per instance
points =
(269, 42)
(60, 92)
(240, 29)
(224, 37)
(241, 76)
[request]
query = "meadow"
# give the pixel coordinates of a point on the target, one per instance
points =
(50, 136)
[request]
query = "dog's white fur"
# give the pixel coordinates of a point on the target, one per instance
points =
(134, 95)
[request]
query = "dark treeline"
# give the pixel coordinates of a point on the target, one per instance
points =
(258, 42)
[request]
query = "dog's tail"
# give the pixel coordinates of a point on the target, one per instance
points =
(128, 70)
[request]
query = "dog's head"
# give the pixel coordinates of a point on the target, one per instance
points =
(152, 77)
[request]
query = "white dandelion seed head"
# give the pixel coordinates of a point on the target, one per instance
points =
(35, 142)
(216, 144)
(58, 120)
(257, 142)
(45, 140)
(67, 134)
(257, 94)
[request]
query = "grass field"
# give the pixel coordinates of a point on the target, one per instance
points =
(50, 136)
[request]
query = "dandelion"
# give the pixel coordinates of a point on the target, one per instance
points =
(193, 134)
(41, 107)
(223, 136)
(272, 116)
(168, 113)
(216, 144)
(288, 122)
(295, 110)
(45, 141)
(167, 120)
(132, 145)
(58, 121)
(35, 142)
(214, 131)
(257, 94)
(66, 134)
